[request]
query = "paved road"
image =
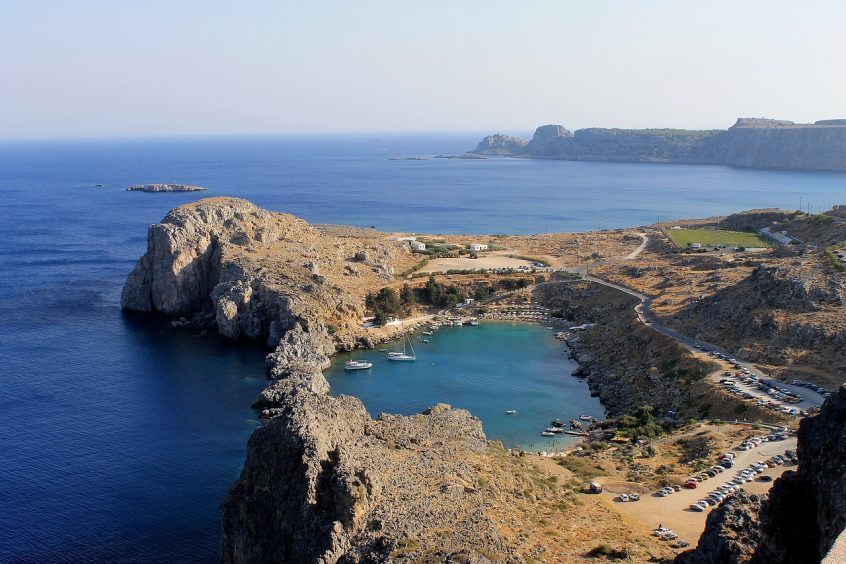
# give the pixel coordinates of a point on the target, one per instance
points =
(810, 398)
(642, 309)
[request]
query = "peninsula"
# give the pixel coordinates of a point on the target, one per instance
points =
(750, 142)
(669, 336)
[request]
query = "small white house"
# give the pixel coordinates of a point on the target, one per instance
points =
(696, 245)
(476, 247)
(417, 246)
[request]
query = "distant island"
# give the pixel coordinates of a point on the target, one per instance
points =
(165, 188)
(750, 142)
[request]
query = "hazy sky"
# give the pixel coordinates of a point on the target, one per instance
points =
(152, 67)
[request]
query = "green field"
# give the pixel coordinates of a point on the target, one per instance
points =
(683, 237)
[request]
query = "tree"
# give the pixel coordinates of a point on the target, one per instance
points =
(381, 318)
(407, 295)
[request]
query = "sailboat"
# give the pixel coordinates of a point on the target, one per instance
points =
(398, 356)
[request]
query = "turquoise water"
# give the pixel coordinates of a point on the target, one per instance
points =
(486, 369)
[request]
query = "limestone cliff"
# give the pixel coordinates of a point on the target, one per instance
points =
(323, 482)
(805, 512)
(750, 142)
(255, 274)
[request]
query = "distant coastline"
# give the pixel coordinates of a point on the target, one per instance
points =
(750, 142)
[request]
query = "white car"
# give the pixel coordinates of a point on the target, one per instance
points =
(624, 497)
(697, 507)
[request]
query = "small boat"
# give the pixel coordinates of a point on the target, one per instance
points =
(510, 411)
(98, 186)
(547, 434)
(474, 322)
(357, 365)
(403, 356)
(425, 340)
(557, 423)
(586, 417)
(428, 333)
(554, 430)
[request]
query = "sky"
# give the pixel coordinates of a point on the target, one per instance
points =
(114, 68)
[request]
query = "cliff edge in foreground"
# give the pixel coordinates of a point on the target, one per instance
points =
(750, 142)
(323, 482)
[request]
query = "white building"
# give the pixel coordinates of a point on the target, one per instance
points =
(417, 246)
(476, 247)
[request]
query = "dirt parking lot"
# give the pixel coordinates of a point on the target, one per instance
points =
(491, 261)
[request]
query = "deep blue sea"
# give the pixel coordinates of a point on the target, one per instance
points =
(121, 436)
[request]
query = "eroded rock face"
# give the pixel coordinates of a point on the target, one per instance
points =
(732, 532)
(256, 273)
(184, 255)
(325, 483)
(499, 144)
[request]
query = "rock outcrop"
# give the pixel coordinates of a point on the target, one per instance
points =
(499, 144)
(257, 274)
(777, 308)
(323, 482)
(801, 519)
(732, 532)
(751, 142)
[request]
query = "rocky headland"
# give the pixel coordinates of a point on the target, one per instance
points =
(750, 142)
(165, 188)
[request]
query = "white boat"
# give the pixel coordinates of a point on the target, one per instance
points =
(428, 333)
(357, 365)
(473, 322)
(511, 411)
(547, 434)
(586, 417)
(403, 356)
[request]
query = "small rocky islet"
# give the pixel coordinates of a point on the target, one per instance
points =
(325, 482)
(165, 188)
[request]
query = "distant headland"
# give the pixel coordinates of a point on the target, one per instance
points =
(750, 142)
(165, 188)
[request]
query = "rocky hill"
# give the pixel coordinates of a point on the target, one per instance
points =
(751, 142)
(626, 364)
(801, 518)
(249, 273)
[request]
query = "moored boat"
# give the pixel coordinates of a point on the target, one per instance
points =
(357, 365)
(510, 411)
(398, 356)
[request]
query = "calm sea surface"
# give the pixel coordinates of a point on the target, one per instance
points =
(121, 436)
(487, 370)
